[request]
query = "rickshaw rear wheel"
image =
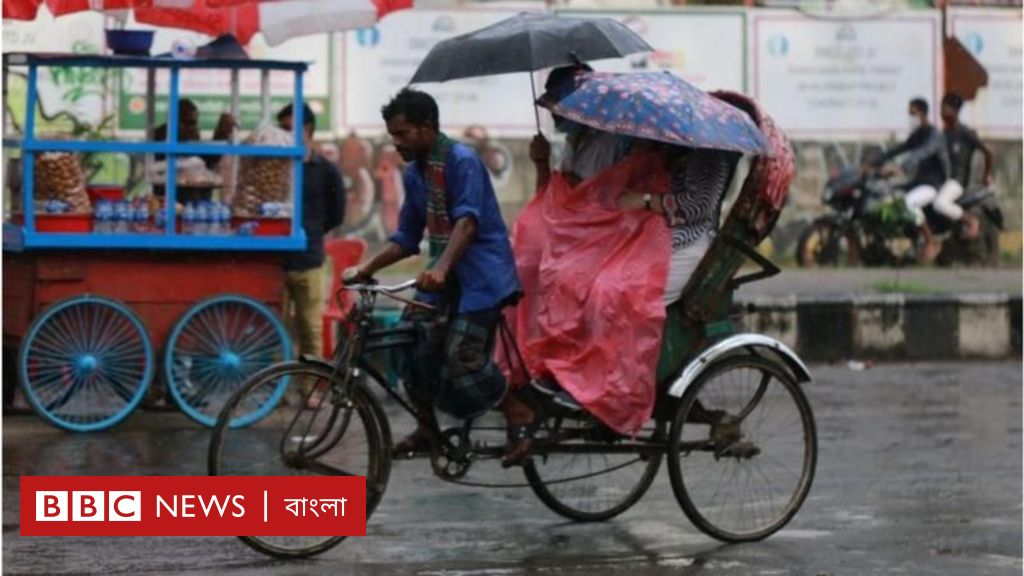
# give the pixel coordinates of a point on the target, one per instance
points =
(742, 449)
(593, 487)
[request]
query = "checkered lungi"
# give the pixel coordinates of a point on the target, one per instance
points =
(452, 363)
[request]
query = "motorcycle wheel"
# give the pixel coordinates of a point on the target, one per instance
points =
(824, 244)
(982, 250)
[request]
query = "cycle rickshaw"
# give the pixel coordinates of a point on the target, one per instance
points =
(731, 421)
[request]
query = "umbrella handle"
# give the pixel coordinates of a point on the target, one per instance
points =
(536, 113)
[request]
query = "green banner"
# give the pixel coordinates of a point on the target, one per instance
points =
(133, 110)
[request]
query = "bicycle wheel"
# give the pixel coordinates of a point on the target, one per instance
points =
(215, 347)
(591, 487)
(742, 449)
(85, 363)
(345, 436)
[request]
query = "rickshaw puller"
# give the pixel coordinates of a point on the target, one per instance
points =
(449, 193)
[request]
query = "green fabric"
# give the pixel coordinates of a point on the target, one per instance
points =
(439, 227)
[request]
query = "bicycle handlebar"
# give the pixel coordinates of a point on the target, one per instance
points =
(401, 287)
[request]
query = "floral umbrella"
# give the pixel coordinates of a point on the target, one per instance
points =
(656, 106)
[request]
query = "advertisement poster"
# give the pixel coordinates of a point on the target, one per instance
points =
(376, 63)
(680, 41)
(844, 78)
(994, 38)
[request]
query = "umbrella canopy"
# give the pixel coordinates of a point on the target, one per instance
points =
(278, 20)
(525, 43)
(656, 106)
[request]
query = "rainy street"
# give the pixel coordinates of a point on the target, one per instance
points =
(919, 472)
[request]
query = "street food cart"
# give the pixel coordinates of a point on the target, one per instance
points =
(96, 307)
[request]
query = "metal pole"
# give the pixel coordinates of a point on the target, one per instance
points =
(536, 114)
(171, 187)
(233, 160)
(265, 96)
(297, 176)
(28, 155)
(149, 159)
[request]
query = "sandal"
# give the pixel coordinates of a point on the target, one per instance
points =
(419, 442)
(519, 442)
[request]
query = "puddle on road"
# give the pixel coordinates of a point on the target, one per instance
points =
(803, 534)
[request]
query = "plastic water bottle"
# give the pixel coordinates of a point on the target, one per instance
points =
(101, 217)
(215, 226)
(202, 223)
(225, 219)
(141, 220)
(247, 229)
(213, 221)
(188, 219)
(160, 220)
(55, 207)
(122, 218)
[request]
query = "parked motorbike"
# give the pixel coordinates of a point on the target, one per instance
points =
(869, 224)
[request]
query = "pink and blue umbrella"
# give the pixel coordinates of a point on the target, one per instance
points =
(656, 106)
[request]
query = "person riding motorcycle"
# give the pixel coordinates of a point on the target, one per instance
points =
(926, 157)
(961, 143)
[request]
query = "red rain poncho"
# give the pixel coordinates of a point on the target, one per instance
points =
(593, 279)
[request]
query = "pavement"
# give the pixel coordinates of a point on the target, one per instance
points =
(919, 473)
(831, 282)
(830, 315)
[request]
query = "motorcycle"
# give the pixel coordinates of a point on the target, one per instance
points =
(869, 224)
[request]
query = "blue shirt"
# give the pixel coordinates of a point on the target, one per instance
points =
(486, 272)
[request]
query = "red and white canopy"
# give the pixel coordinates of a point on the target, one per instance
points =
(278, 20)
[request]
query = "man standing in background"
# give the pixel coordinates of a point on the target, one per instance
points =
(323, 209)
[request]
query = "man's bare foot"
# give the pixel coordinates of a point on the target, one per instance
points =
(521, 422)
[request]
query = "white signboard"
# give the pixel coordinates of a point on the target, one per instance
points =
(849, 78)
(376, 63)
(994, 38)
(77, 91)
(681, 41)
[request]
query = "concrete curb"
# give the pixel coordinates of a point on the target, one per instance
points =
(889, 326)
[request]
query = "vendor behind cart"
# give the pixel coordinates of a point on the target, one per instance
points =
(188, 131)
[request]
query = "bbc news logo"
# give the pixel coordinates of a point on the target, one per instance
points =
(193, 505)
(89, 506)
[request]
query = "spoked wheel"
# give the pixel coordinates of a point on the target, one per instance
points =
(347, 435)
(742, 449)
(214, 349)
(591, 486)
(85, 363)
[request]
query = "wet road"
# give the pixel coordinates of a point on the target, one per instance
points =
(919, 473)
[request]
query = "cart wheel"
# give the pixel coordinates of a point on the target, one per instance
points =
(588, 486)
(86, 363)
(215, 347)
(742, 449)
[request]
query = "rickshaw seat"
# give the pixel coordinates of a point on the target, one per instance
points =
(702, 312)
(708, 294)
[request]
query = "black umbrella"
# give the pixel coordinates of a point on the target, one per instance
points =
(525, 43)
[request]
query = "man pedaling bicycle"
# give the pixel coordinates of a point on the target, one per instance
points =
(471, 277)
